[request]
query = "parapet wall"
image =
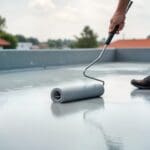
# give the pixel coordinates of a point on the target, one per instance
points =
(14, 59)
(133, 55)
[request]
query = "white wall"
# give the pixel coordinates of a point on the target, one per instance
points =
(24, 46)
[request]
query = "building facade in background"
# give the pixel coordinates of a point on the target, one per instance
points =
(24, 46)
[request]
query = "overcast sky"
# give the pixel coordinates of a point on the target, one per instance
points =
(65, 18)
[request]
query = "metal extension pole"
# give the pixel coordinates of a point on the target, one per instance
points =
(107, 42)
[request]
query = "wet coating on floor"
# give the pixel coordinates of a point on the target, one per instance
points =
(117, 121)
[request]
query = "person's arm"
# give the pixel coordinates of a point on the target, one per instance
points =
(122, 5)
(119, 16)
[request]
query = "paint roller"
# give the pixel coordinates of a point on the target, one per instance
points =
(81, 90)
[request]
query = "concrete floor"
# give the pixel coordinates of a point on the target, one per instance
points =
(118, 121)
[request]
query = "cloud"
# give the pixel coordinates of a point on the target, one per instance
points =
(65, 18)
(44, 5)
(69, 14)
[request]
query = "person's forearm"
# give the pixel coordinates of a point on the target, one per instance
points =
(122, 5)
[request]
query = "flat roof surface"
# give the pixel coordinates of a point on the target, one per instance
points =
(117, 121)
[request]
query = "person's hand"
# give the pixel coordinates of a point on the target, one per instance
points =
(117, 19)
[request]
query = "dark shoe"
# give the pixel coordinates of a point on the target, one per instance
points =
(142, 84)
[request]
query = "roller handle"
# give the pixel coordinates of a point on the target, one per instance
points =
(111, 35)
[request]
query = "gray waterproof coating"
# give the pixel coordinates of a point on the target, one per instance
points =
(77, 91)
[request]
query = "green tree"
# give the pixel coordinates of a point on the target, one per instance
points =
(33, 40)
(10, 38)
(2, 23)
(55, 43)
(68, 43)
(87, 39)
(7, 36)
(60, 43)
(52, 43)
(20, 38)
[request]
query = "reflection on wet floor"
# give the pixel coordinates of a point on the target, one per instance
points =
(87, 107)
(61, 110)
(65, 109)
(118, 121)
(144, 94)
(112, 143)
